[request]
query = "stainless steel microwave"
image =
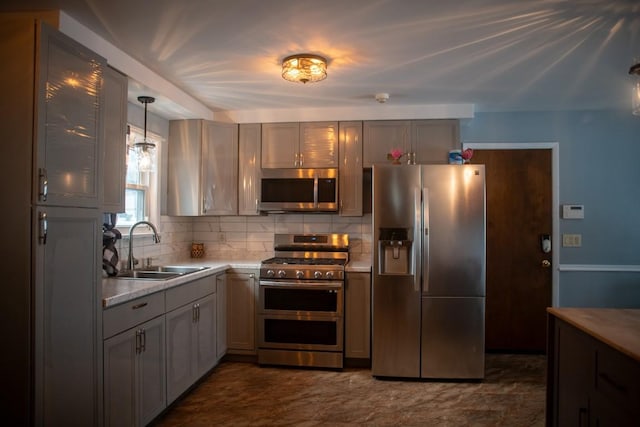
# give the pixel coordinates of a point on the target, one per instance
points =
(299, 190)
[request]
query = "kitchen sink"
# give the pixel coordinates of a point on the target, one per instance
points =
(172, 269)
(158, 272)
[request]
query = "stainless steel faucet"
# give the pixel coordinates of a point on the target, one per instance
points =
(156, 238)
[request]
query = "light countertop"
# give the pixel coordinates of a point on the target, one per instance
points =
(616, 327)
(117, 291)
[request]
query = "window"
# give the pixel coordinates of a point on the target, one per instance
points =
(140, 200)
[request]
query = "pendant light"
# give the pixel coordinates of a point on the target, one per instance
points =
(635, 72)
(144, 150)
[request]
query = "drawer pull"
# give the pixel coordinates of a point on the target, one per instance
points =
(606, 378)
(137, 306)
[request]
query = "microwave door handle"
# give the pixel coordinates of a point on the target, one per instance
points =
(315, 191)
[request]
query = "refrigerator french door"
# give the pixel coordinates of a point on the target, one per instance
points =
(429, 271)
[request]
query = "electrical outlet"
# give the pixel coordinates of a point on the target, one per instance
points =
(572, 240)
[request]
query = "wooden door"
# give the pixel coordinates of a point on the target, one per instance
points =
(519, 212)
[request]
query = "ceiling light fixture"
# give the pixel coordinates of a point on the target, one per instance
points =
(304, 68)
(144, 150)
(635, 71)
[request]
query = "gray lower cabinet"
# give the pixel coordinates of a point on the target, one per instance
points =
(156, 347)
(221, 314)
(357, 316)
(134, 363)
(242, 288)
(191, 333)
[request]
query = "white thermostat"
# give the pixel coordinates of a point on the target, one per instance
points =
(572, 211)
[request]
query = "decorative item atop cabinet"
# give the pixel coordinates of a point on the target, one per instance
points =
(300, 145)
(204, 153)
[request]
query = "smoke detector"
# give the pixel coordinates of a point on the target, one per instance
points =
(382, 97)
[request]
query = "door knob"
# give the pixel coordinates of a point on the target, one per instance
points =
(546, 263)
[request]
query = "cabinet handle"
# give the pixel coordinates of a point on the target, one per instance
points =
(301, 159)
(44, 226)
(251, 276)
(257, 207)
(198, 311)
(44, 184)
(143, 344)
(138, 341)
(296, 156)
(583, 417)
(137, 306)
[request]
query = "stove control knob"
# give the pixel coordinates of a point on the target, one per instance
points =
(317, 275)
(282, 273)
(271, 273)
(299, 274)
(329, 275)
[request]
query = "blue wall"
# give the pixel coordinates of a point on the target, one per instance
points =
(600, 169)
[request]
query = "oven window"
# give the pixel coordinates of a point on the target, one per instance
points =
(294, 190)
(296, 299)
(326, 190)
(300, 331)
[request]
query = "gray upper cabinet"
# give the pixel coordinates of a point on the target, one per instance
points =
(114, 144)
(220, 169)
(280, 143)
(68, 127)
(431, 140)
(350, 168)
(300, 145)
(318, 145)
(380, 137)
(202, 168)
(422, 141)
(249, 170)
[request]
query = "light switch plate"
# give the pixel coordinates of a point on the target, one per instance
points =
(571, 240)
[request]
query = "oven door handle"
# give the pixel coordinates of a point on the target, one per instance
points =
(303, 284)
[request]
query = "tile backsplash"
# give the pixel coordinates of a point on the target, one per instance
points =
(241, 237)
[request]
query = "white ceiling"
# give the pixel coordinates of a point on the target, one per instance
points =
(500, 55)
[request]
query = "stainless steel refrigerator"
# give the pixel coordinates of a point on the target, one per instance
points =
(428, 271)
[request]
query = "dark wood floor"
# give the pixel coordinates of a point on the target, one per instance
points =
(512, 394)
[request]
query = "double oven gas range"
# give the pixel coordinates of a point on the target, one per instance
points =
(301, 301)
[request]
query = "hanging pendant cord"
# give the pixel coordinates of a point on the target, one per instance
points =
(146, 100)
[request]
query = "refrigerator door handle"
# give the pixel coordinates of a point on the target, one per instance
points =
(425, 240)
(417, 238)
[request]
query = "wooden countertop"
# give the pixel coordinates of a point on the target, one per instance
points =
(616, 327)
